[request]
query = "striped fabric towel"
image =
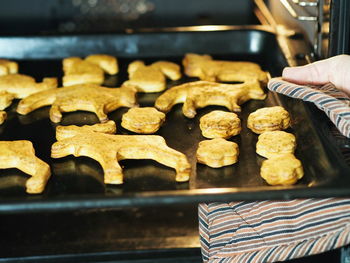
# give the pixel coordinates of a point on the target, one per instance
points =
(335, 103)
(271, 231)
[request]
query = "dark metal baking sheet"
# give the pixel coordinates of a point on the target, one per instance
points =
(77, 183)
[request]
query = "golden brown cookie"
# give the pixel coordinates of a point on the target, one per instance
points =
(151, 78)
(199, 94)
(87, 97)
(8, 67)
(269, 119)
(64, 132)
(283, 169)
(217, 152)
(17, 86)
(206, 68)
(3, 116)
(78, 71)
(220, 124)
(5, 99)
(108, 63)
(88, 70)
(22, 86)
(109, 149)
(21, 155)
(145, 120)
(273, 143)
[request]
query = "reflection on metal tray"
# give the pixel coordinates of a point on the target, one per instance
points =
(78, 182)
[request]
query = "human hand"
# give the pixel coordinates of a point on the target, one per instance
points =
(335, 70)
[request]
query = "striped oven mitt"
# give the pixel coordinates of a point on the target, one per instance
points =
(335, 103)
(271, 231)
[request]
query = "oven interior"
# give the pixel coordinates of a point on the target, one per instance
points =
(158, 232)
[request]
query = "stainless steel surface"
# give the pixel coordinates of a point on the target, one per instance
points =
(295, 14)
(316, 13)
(305, 3)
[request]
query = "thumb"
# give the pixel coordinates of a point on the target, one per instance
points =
(316, 73)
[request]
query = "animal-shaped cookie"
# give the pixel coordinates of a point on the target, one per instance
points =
(206, 68)
(88, 70)
(8, 67)
(21, 155)
(108, 63)
(220, 124)
(109, 149)
(3, 116)
(5, 99)
(64, 132)
(144, 120)
(21, 86)
(268, 119)
(282, 169)
(86, 97)
(274, 143)
(17, 86)
(151, 78)
(217, 152)
(199, 94)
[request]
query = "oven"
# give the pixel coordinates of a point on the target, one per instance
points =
(150, 218)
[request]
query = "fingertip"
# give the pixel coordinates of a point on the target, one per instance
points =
(286, 72)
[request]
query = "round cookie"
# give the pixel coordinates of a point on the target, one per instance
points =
(273, 143)
(268, 119)
(220, 124)
(283, 169)
(217, 152)
(145, 120)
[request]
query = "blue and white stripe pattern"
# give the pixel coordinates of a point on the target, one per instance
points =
(270, 231)
(335, 103)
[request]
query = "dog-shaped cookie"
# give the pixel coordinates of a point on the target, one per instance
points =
(206, 68)
(199, 94)
(87, 97)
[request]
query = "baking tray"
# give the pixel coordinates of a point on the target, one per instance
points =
(77, 183)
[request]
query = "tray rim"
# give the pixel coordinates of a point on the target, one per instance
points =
(151, 198)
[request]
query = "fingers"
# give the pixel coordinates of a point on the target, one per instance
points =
(334, 70)
(314, 74)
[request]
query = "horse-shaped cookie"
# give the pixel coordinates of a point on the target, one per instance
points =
(109, 149)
